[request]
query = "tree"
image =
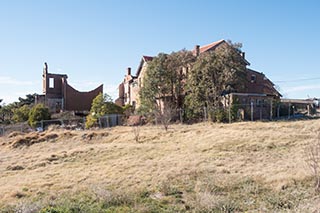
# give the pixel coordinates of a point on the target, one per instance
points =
(164, 81)
(21, 114)
(214, 74)
(6, 113)
(29, 100)
(101, 105)
(38, 113)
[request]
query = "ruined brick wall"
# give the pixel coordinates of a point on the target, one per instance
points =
(54, 88)
(80, 101)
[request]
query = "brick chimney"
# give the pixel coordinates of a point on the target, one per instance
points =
(129, 70)
(197, 50)
(45, 68)
(243, 54)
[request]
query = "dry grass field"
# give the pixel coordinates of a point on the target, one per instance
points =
(206, 167)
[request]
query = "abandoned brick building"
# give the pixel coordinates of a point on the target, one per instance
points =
(259, 91)
(58, 95)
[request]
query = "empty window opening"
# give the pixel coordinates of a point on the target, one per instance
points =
(51, 82)
(253, 78)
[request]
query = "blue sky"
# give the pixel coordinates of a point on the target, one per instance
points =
(95, 41)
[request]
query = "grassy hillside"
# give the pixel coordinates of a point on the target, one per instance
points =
(249, 166)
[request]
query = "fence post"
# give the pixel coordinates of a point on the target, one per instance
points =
(229, 113)
(293, 112)
(289, 111)
(1, 131)
(205, 113)
(251, 106)
(108, 123)
(99, 122)
(271, 108)
(180, 113)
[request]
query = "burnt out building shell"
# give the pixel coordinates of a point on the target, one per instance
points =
(58, 95)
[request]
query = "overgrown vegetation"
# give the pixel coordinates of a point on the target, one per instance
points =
(101, 105)
(17, 111)
(213, 75)
(38, 113)
(196, 84)
(164, 80)
(21, 114)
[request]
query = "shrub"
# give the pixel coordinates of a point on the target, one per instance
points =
(312, 158)
(220, 115)
(38, 113)
(136, 132)
(21, 114)
(51, 209)
(128, 110)
(101, 105)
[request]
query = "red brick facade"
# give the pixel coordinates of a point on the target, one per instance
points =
(80, 101)
(59, 95)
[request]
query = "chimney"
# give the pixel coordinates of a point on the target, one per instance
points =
(45, 68)
(197, 50)
(129, 70)
(243, 54)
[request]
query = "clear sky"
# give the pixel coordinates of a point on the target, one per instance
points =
(95, 41)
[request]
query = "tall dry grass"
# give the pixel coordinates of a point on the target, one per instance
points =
(270, 155)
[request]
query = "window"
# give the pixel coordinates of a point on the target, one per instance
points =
(258, 102)
(253, 78)
(51, 82)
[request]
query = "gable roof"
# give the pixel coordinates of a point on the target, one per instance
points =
(144, 59)
(147, 58)
(211, 46)
(262, 84)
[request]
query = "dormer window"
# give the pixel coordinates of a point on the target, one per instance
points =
(253, 78)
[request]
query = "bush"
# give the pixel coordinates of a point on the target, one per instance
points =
(38, 113)
(101, 105)
(220, 115)
(21, 114)
(128, 110)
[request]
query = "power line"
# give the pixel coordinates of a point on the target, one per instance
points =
(298, 80)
